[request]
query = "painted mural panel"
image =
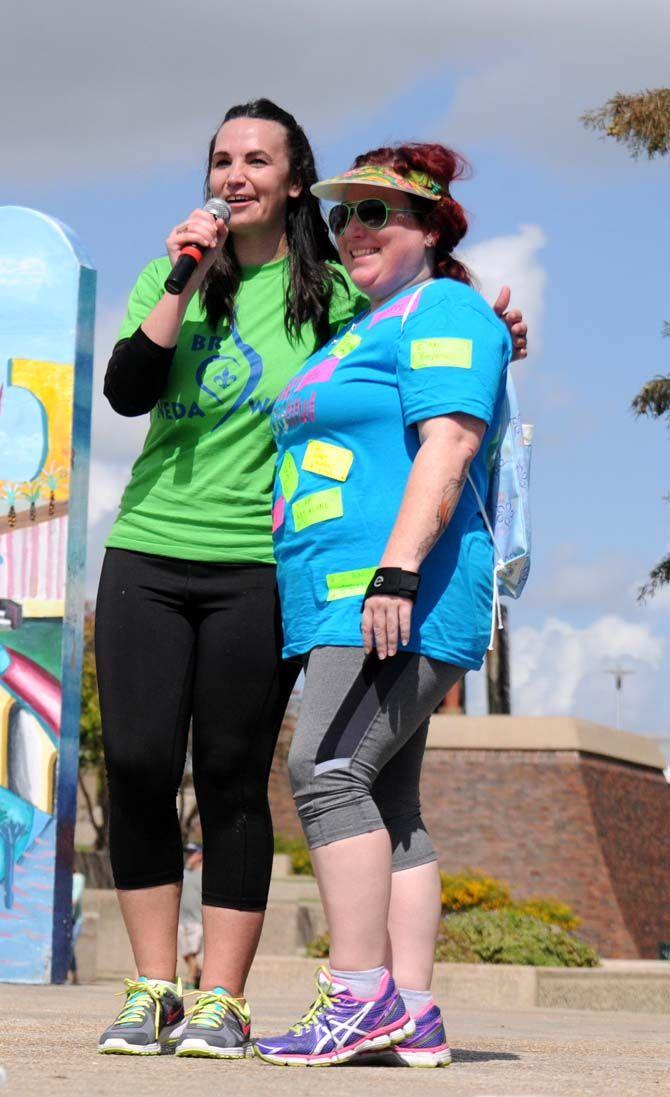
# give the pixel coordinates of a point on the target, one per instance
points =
(47, 291)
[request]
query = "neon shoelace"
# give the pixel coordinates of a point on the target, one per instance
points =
(141, 996)
(323, 1001)
(211, 1008)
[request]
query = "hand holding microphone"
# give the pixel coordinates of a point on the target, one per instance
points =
(195, 240)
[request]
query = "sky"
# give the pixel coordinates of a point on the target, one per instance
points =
(107, 116)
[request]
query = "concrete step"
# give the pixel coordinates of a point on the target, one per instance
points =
(295, 889)
(290, 924)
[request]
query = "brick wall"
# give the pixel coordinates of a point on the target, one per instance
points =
(284, 817)
(593, 832)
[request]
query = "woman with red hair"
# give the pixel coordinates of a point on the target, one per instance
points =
(386, 579)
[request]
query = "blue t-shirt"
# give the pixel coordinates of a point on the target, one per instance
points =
(346, 432)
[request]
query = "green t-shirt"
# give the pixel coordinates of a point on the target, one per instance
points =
(201, 488)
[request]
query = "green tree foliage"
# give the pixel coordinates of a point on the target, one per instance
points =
(653, 400)
(641, 122)
(91, 758)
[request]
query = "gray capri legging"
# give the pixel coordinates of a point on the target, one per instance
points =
(355, 760)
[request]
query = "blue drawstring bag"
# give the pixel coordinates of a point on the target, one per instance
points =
(506, 512)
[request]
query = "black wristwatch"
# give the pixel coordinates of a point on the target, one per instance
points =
(403, 584)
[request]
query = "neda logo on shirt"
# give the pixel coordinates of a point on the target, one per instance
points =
(217, 373)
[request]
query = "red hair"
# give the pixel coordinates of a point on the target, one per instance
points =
(445, 218)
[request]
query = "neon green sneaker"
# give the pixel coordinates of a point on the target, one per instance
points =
(219, 1027)
(148, 1022)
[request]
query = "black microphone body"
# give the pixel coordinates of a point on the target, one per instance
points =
(191, 254)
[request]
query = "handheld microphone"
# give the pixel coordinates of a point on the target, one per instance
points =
(191, 254)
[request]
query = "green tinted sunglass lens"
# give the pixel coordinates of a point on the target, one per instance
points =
(372, 213)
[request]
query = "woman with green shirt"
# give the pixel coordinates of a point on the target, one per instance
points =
(188, 625)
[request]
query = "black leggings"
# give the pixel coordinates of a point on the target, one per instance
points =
(180, 640)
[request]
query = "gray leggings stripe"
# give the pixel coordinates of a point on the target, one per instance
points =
(355, 760)
(368, 692)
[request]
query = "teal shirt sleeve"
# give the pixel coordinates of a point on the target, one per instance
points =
(146, 293)
(451, 357)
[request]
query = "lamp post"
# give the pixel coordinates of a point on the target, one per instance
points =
(618, 674)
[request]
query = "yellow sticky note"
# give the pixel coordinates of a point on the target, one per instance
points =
(346, 344)
(327, 460)
(320, 506)
(454, 353)
(288, 476)
(348, 584)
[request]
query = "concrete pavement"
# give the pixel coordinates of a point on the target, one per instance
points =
(48, 1036)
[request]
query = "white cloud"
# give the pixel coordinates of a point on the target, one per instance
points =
(559, 669)
(106, 483)
(24, 272)
(513, 261)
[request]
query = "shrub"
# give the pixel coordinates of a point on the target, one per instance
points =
(551, 911)
(509, 937)
(298, 852)
(301, 862)
(319, 948)
(470, 889)
(497, 937)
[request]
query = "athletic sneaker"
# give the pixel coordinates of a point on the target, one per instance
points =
(427, 1046)
(338, 1025)
(147, 1022)
(219, 1027)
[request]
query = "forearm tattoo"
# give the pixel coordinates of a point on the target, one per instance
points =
(451, 493)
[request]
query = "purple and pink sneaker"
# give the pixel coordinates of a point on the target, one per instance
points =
(338, 1026)
(427, 1046)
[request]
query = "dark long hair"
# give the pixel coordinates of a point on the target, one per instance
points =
(310, 283)
(445, 218)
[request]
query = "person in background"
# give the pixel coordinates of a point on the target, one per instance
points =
(78, 885)
(188, 622)
(386, 578)
(189, 935)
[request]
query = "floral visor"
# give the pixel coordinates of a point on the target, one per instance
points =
(372, 175)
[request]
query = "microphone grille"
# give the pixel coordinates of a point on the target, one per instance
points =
(219, 209)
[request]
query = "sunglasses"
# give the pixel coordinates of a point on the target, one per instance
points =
(372, 213)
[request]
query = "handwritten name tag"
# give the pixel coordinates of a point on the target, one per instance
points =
(450, 353)
(320, 506)
(328, 460)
